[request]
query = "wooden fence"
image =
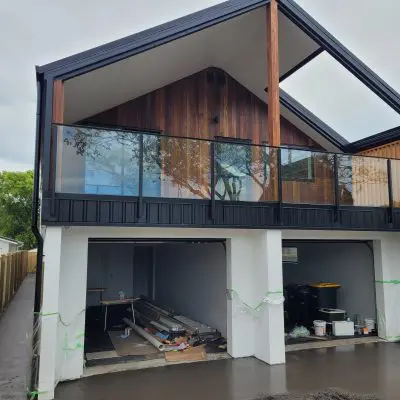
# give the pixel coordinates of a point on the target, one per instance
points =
(13, 269)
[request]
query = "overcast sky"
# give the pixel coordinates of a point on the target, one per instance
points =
(35, 33)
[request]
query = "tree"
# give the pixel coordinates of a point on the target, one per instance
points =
(15, 206)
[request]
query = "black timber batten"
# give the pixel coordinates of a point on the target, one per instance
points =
(92, 210)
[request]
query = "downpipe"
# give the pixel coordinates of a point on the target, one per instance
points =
(34, 377)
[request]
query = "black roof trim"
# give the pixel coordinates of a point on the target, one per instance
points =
(301, 64)
(315, 31)
(313, 121)
(137, 43)
(376, 140)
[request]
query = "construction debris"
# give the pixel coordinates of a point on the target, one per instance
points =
(172, 333)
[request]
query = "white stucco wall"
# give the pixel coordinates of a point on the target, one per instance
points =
(4, 246)
(253, 268)
(7, 247)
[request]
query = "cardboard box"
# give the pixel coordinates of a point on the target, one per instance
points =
(192, 354)
(343, 328)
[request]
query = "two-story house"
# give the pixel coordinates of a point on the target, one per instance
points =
(169, 164)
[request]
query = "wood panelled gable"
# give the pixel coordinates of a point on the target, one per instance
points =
(389, 150)
(204, 105)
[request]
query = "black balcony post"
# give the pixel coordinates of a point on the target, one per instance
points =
(279, 182)
(390, 189)
(140, 185)
(336, 187)
(212, 180)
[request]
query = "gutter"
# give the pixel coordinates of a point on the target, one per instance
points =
(34, 381)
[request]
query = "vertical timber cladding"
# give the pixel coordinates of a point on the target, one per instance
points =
(379, 193)
(204, 105)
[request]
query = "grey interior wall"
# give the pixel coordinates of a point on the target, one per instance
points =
(191, 279)
(143, 271)
(119, 267)
(349, 264)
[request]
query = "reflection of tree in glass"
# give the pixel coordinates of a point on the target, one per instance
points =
(111, 152)
(177, 162)
(242, 167)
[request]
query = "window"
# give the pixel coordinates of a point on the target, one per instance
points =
(297, 165)
(290, 255)
(111, 166)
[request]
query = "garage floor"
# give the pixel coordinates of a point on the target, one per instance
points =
(369, 368)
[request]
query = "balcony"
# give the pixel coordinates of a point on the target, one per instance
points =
(120, 177)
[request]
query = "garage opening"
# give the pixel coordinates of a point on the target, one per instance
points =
(329, 291)
(161, 300)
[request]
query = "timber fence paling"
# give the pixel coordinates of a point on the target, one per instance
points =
(2, 282)
(14, 267)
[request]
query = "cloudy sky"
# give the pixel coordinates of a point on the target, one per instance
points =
(35, 33)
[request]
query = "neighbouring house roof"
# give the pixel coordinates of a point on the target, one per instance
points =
(88, 67)
(372, 141)
(12, 241)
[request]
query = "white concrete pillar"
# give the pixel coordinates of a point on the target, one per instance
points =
(240, 279)
(387, 276)
(50, 309)
(268, 284)
(72, 305)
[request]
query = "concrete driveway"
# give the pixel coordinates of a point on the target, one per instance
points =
(368, 368)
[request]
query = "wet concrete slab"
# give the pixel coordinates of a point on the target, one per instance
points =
(15, 329)
(367, 368)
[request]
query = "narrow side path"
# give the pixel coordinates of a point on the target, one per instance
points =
(15, 333)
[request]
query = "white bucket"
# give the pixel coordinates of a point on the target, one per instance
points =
(320, 328)
(369, 324)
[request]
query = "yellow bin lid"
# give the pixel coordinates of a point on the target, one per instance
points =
(325, 285)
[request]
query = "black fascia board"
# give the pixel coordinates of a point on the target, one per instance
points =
(312, 120)
(376, 140)
(320, 35)
(137, 43)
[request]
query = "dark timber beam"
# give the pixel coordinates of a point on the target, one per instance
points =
(57, 140)
(274, 133)
(58, 102)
